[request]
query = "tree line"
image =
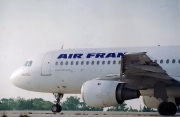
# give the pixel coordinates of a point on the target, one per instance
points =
(23, 104)
(72, 103)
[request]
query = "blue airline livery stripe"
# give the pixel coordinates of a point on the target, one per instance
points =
(90, 55)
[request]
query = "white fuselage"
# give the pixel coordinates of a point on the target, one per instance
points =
(64, 71)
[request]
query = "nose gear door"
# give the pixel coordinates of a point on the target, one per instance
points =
(46, 65)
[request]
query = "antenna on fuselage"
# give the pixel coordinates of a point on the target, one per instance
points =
(62, 47)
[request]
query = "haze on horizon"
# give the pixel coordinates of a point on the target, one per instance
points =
(30, 27)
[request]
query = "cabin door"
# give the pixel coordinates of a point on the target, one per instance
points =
(46, 65)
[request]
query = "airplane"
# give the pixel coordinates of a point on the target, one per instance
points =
(106, 76)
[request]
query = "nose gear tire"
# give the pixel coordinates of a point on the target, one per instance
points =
(56, 108)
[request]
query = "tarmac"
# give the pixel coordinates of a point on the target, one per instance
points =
(78, 114)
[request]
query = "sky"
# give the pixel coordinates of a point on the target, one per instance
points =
(30, 27)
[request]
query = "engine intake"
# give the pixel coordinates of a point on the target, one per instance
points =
(104, 93)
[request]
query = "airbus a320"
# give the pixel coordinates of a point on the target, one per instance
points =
(107, 76)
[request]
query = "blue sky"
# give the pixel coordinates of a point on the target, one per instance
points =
(31, 27)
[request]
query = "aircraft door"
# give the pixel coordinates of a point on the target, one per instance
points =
(46, 65)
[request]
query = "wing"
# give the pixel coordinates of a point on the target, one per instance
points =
(140, 72)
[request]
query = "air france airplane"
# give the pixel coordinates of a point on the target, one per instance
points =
(107, 76)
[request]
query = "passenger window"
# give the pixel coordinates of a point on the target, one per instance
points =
(71, 62)
(97, 62)
(155, 61)
(92, 62)
(103, 62)
(30, 63)
(173, 61)
(77, 62)
(179, 60)
(82, 62)
(161, 61)
(26, 63)
(114, 62)
(66, 62)
(119, 62)
(61, 63)
(108, 62)
(167, 61)
(56, 63)
(87, 62)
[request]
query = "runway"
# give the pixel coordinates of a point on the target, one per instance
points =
(78, 114)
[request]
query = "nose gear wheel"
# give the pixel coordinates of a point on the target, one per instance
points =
(57, 107)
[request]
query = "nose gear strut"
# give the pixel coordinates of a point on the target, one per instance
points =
(57, 107)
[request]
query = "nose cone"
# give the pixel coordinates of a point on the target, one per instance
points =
(15, 77)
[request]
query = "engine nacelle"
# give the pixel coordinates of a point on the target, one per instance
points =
(153, 102)
(104, 93)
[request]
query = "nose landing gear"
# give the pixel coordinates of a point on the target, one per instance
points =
(57, 107)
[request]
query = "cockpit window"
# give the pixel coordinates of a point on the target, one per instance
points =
(30, 63)
(26, 63)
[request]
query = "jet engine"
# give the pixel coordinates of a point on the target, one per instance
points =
(104, 93)
(153, 102)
